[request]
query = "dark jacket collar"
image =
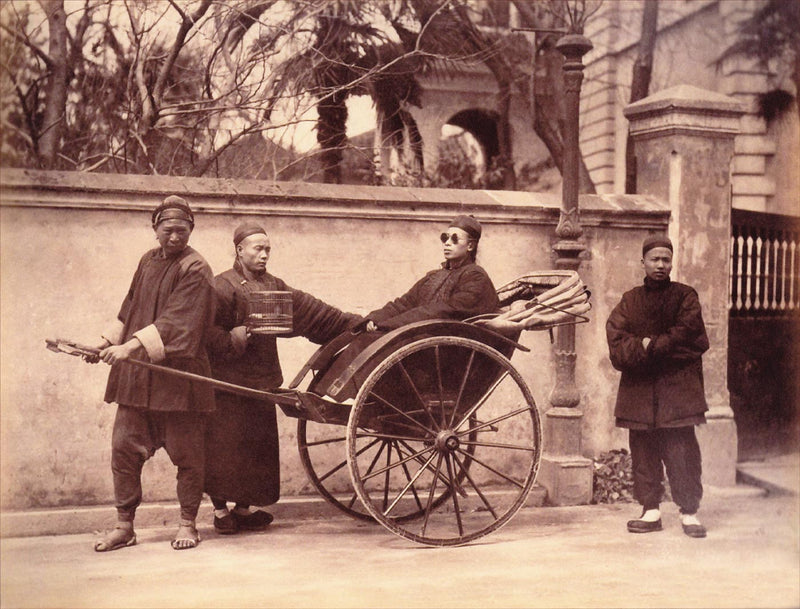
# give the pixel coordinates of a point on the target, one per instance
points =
(237, 266)
(448, 264)
(652, 284)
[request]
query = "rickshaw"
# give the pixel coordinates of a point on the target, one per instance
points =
(430, 431)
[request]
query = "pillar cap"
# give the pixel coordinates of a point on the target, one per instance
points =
(685, 109)
(574, 44)
(685, 98)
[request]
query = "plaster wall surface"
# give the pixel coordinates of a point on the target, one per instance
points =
(692, 35)
(69, 244)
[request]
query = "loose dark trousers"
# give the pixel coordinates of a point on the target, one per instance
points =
(137, 435)
(677, 449)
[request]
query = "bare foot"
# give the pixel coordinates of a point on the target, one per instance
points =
(121, 537)
(186, 538)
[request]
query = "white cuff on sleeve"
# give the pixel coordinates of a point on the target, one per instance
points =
(113, 333)
(152, 343)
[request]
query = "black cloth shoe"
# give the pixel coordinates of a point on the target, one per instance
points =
(256, 521)
(694, 530)
(227, 525)
(643, 526)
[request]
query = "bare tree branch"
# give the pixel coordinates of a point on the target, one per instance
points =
(187, 22)
(27, 42)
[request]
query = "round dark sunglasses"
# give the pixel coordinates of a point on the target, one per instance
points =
(454, 238)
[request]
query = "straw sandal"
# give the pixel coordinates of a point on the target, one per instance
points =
(187, 536)
(120, 537)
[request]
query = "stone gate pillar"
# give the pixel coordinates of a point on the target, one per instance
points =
(684, 144)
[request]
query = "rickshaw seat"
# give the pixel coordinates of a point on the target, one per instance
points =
(346, 384)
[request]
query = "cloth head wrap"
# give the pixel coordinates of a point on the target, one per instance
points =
(656, 241)
(469, 225)
(173, 208)
(246, 229)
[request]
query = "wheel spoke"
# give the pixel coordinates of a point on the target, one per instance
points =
(388, 436)
(461, 388)
(326, 441)
(390, 419)
(408, 477)
(499, 445)
(440, 385)
(416, 392)
(403, 413)
(387, 477)
(431, 494)
(352, 501)
(483, 399)
(495, 471)
(378, 472)
(332, 471)
(483, 498)
(454, 494)
(410, 484)
(492, 422)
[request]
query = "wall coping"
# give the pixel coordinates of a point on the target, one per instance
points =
(685, 110)
(686, 99)
(29, 188)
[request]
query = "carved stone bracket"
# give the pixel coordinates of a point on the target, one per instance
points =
(569, 225)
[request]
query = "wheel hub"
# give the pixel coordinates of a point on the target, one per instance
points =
(447, 440)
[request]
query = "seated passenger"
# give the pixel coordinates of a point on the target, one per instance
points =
(457, 290)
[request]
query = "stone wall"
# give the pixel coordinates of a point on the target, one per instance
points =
(69, 244)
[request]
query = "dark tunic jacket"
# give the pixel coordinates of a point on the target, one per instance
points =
(444, 293)
(169, 307)
(661, 386)
(242, 452)
(259, 366)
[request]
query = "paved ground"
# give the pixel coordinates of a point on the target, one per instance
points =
(776, 473)
(545, 557)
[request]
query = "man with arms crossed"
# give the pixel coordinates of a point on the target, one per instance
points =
(656, 338)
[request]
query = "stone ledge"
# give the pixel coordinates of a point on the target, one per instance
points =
(89, 519)
(31, 189)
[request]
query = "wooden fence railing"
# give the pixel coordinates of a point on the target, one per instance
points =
(765, 265)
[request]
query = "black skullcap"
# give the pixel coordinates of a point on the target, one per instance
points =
(469, 225)
(245, 229)
(656, 241)
(173, 207)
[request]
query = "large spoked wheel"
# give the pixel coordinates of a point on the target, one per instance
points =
(443, 441)
(323, 453)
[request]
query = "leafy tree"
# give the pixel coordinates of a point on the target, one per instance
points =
(89, 99)
(175, 87)
(553, 17)
(448, 32)
(771, 36)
